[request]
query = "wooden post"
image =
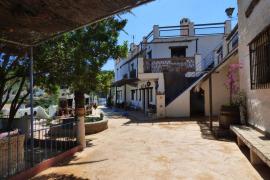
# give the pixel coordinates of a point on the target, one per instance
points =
(115, 96)
(254, 158)
(210, 103)
(125, 95)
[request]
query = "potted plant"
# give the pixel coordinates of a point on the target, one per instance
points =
(229, 114)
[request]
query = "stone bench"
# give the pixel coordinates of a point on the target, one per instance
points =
(258, 143)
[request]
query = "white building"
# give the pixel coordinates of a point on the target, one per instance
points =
(254, 54)
(161, 71)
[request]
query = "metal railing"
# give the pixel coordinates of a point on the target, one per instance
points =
(50, 137)
(232, 43)
(173, 31)
(184, 64)
(209, 29)
(191, 30)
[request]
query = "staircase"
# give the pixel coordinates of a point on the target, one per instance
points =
(176, 82)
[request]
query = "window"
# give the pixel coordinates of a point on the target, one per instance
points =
(149, 55)
(136, 94)
(140, 95)
(178, 51)
(260, 60)
(132, 95)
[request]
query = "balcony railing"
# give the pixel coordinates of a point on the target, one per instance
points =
(232, 42)
(189, 30)
(181, 64)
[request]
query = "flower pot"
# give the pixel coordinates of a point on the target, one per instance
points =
(229, 115)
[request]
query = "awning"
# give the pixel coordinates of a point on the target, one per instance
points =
(30, 22)
(125, 81)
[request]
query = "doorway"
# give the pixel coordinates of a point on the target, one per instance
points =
(197, 102)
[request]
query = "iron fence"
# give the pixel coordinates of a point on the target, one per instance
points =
(22, 149)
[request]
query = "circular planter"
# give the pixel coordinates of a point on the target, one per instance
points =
(96, 127)
(228, 115)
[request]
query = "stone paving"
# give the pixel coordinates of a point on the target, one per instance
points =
(156, 150)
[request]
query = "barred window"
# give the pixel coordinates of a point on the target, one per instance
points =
(260, 60)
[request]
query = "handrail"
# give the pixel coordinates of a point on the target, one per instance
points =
(173, 59)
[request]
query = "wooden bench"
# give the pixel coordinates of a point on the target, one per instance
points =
(258, 143)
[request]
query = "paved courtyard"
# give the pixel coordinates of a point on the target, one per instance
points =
(160, 150)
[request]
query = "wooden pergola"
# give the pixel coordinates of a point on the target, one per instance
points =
(28, 23)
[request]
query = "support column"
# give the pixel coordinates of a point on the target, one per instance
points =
(210, 103)
(80, 114)
(125, 93)
(125, 96)
(240, 143)
(115, 96)
(31, 78)
(254, 158)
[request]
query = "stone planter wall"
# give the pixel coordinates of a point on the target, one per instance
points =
(95, 127)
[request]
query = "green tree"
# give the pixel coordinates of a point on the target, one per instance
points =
(75, 59)
(13, 82)
(104, 79)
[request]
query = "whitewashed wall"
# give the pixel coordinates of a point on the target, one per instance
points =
(219, 90)
(180, 107)
(258, 100)
(206, 44)
(123, 68)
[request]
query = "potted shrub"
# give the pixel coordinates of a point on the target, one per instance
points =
(229, 114)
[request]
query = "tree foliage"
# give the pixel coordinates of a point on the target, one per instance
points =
(75, 59)
(104, 79)
(13, 82)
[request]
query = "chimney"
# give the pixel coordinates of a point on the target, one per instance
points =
(186, 27)
(156, 31)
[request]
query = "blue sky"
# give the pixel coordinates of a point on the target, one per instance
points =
(169, 12)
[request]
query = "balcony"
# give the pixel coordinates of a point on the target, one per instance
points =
(181, 64)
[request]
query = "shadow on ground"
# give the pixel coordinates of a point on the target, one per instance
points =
(55, 176)
(262, 169)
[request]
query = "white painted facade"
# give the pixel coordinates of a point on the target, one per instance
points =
(249, 28)
(197, 46)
